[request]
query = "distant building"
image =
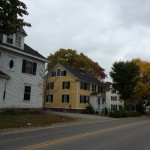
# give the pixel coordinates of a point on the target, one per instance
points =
(113, 101)
(20, 73)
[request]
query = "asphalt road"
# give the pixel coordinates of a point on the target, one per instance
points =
(112, 134)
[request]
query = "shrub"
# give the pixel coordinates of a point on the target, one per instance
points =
(133, 114)
(118, 114)
(89, 110)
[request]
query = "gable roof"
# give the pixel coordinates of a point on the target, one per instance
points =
(23, 31)
(27, 49)
(82, 76)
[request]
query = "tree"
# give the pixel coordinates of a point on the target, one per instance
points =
(11, 13)
(73, 59)
(143, 87)
(125, 76)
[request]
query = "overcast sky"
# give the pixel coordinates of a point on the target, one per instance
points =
(104, 30)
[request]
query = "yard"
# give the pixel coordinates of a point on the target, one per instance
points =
(13, 119)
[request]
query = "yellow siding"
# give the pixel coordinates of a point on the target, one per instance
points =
(74, 92)
(58, 92)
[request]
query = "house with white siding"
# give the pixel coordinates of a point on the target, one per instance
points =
(21, 71)
(113, 101)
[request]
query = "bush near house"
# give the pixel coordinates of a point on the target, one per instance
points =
(123, 113)
(89, 110)
(133, 114)
(105, 111)
(118, 114)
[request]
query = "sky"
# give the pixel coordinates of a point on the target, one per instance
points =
(105, 30)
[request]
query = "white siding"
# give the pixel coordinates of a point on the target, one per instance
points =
(15, 85)
(110, 102)
(98, 106)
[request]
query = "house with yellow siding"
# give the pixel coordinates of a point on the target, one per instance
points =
(71, 89)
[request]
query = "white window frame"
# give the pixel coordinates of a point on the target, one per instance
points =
(18, 41)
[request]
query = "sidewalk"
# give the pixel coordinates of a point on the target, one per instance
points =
(84, 117)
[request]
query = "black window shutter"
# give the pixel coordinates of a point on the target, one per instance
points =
(51, 98)
(65, 73)
(48, 86)
(24, 66)
(67, 98)
(63, 85)
(84, 99)
(63, 98)
(34, 68)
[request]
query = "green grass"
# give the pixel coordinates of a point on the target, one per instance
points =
(31, 120)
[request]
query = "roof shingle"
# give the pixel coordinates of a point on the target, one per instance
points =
(83, 76)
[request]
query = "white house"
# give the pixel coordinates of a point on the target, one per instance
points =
(113, 100)
(21, 70)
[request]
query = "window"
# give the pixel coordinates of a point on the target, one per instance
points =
(113, 91)
(113, 98)
(18, 41)
(66, 85)
(49, 98)
(93, 88)
(101, 89)
(11, 63)
(84, 99)
(63, 73)
(113, 107)
(53, 74)
(27, 92)
(58, 72)
(29, 67)
(10, 39)
(84, 86)
(51, 85)
(65, 98)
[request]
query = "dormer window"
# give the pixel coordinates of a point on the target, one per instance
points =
(15, 40)
(18, 41)
(10, 39)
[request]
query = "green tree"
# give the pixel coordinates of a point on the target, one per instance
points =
(125, 76)
(73, 59)
(11, 13)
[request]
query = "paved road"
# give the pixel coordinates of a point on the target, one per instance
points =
(117, 134)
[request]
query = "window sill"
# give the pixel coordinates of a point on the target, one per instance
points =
(27, 101)
(28, 74)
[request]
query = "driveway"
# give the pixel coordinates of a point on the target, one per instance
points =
(83, 117)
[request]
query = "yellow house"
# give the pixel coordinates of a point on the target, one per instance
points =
(71, 89)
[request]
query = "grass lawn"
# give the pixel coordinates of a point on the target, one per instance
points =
(31, 120)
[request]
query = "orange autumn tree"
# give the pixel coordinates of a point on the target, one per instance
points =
(142, 91)
(73, 59)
